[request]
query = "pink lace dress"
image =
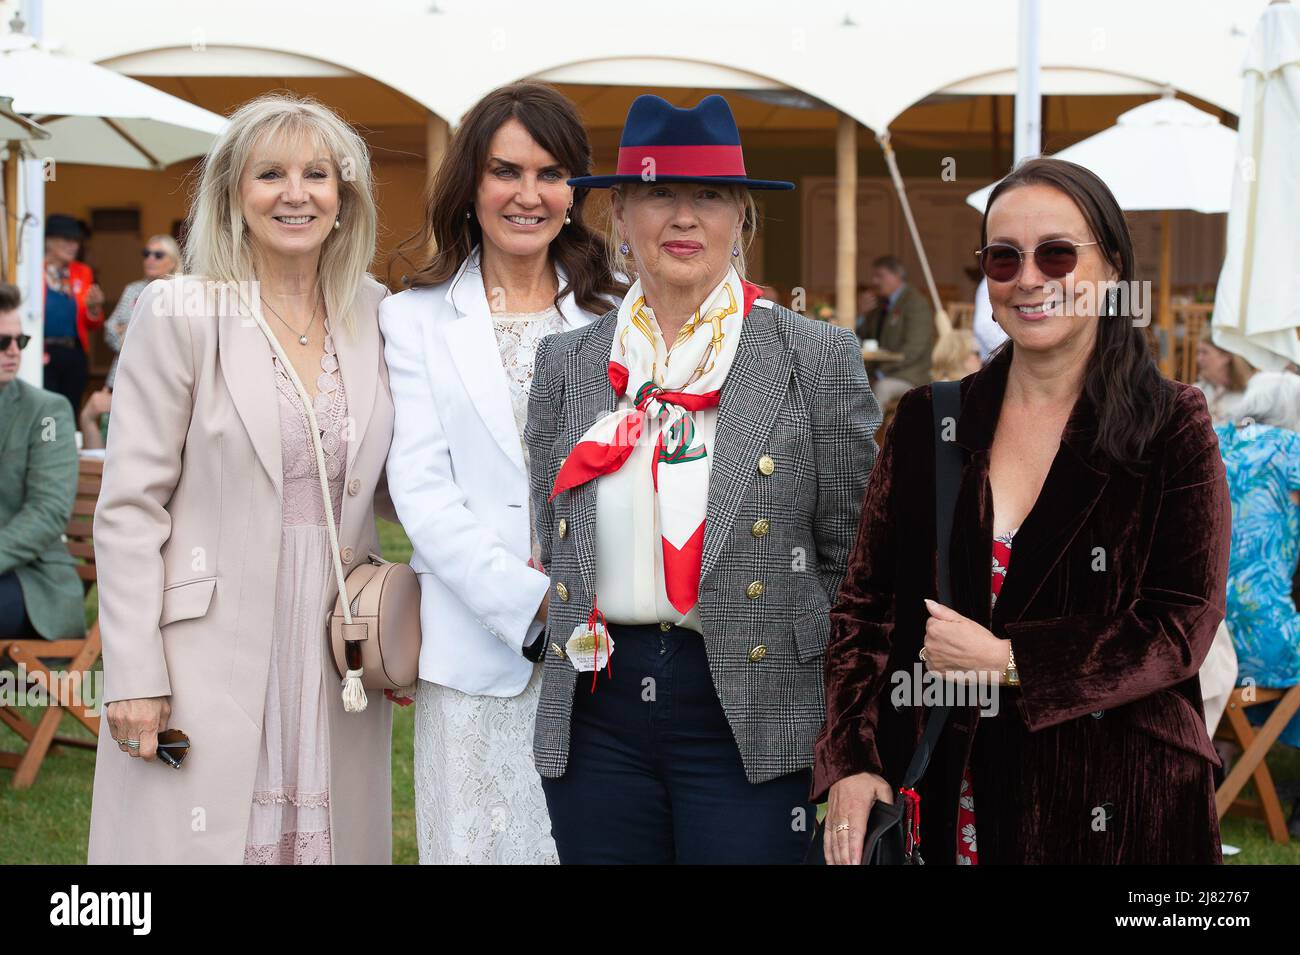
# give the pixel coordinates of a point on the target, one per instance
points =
(289, 822)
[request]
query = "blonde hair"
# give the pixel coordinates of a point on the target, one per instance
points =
(170, 247)
(623, 265)
(217, 246)
(948, 360)
(1240, 371)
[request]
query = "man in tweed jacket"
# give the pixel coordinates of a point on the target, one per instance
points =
(793, 450)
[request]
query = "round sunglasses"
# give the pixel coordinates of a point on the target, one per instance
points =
(1055, 258)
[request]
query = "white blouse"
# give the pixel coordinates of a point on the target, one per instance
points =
(629, 559)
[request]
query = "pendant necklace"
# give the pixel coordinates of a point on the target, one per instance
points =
(302, 336)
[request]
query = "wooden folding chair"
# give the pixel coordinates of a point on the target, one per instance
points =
(1255, 742)
(1193, 318)
(74, 656)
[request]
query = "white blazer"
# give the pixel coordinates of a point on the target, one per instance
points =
(456, 475)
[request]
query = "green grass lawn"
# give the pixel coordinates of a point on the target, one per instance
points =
(49, 822)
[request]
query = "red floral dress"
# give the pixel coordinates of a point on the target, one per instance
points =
(967, 852)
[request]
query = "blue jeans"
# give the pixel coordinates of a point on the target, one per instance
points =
(654, 775)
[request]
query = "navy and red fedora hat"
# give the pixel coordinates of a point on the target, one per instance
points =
(662, 143)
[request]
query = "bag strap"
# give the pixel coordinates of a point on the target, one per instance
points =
(948, 460)
(354, 697)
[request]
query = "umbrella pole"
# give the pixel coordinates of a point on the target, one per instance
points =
(942, 323)
(11, 213)
(1166, 317)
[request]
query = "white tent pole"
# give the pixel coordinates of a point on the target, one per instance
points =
(942, 323)
(1029, 99)
(31, 238)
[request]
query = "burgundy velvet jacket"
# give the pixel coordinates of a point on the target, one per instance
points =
(1114, 592)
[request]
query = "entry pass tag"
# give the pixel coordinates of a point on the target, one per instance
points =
(589, 647)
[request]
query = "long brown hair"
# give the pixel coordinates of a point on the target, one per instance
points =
(447, 237)
(1132, 399)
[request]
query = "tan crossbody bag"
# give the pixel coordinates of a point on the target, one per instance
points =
(374, 635)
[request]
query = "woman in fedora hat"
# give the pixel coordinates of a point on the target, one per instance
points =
(695, 520)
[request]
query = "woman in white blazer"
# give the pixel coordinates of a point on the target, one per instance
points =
(515, 263)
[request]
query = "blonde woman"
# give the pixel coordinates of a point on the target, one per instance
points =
(1222, 377)
(956, 354)
(684, 446)
(214, 563)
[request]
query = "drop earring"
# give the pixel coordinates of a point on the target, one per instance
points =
(466, 213)
(735, 252)
(336, 223)
(568, 220)
(623, 249)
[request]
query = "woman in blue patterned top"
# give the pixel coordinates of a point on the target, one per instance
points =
(1261, 454)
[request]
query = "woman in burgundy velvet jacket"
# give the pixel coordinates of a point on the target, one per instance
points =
(1105, 480)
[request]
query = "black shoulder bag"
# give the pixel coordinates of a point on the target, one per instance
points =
(893, 830)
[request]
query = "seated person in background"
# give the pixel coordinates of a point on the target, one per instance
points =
(955, 355)
(1262, 460)
(905, 324)
(1222, 376)
(867, 322)
(40, 592)
(92, 422)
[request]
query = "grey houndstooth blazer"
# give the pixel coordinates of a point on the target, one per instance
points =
(797, 392)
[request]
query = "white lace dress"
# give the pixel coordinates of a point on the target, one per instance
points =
(478, 797)
(289, 822)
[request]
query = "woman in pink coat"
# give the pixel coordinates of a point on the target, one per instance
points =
(210, 538)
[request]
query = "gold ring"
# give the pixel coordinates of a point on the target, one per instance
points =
(842, 827)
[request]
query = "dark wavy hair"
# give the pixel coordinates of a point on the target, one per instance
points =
(447, 237)
(1133, 400)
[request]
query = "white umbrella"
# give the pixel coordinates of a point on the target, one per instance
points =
(98, 116)
(1257, 304)
(1160, 156)
(95, 116)
(16, 127)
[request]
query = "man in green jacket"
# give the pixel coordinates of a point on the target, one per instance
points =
(903, 324)
(40, 592)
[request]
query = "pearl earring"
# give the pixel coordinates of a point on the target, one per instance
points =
(567, 220)
(336, 223)
(624, 249)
